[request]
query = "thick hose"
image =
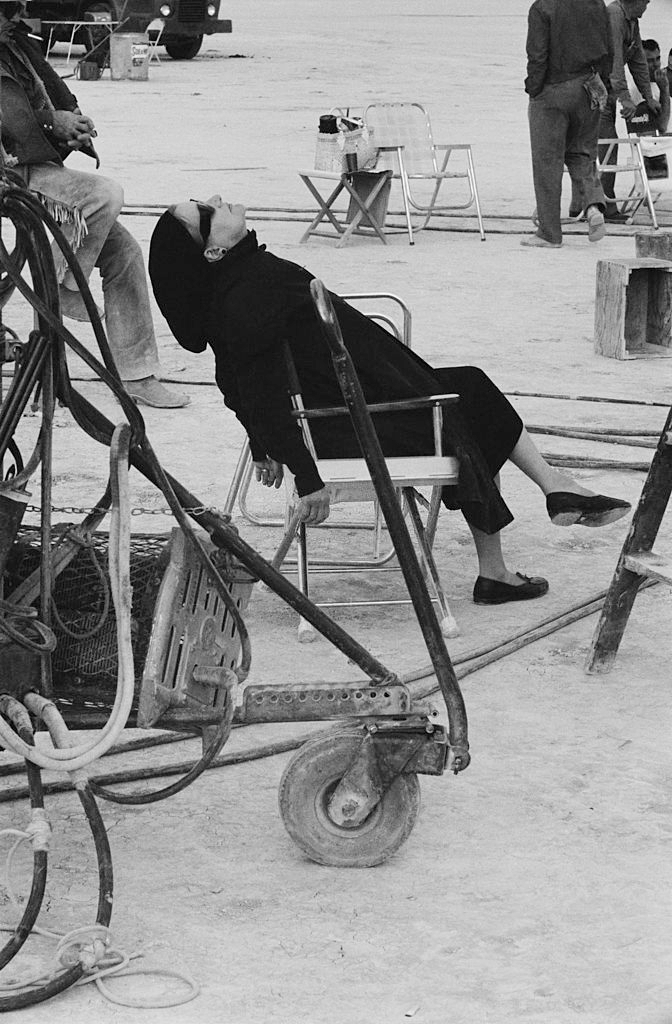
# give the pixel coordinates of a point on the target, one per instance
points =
(40, 856)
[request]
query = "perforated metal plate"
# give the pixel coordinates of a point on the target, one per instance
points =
(312, 702)
(194, 644)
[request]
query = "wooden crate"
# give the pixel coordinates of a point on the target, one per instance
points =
(633, 308)
(656, 244)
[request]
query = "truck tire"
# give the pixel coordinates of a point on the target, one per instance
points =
(184, 49)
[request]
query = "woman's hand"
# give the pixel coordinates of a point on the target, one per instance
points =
(315, 507)
(268, 472)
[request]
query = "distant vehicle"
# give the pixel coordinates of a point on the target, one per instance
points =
(179, 24)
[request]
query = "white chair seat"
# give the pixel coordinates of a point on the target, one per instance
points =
(351, 475)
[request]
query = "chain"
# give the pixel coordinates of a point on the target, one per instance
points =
(75, 510)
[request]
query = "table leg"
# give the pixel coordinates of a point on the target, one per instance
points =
(364, 213)
(325, 208)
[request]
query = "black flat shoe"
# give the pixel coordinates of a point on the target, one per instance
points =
(566, 509)
(495, 592)
(616, 218)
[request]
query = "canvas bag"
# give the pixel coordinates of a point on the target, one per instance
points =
(352, 136)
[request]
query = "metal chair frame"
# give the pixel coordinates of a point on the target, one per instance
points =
(403, 135)
(643, 189)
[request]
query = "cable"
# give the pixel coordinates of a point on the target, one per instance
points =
(10, 707)
(219, 738)
(68, 757)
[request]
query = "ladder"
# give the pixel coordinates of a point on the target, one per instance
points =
(638, 561)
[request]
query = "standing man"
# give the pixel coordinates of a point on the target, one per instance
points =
(626, 44)
(567, 53)
(41, 125)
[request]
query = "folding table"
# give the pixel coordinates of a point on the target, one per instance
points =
(369, 194)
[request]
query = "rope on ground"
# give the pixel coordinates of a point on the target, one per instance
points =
(89, 945)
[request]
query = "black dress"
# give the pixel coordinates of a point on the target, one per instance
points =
(260, 302)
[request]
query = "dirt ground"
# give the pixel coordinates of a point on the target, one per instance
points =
(535, 886)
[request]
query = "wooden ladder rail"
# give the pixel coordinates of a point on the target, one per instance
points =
(637, 562)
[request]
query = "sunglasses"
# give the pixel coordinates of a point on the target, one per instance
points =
(205, 213)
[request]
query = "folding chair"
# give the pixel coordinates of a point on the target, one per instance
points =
(403, 137)
(349, 480)
(642, 189)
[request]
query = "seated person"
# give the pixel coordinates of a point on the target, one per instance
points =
(41, 125)
(645, 121)
(216, 286)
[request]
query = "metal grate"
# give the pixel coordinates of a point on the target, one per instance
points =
(191, 11)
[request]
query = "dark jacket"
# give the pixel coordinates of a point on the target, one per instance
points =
(26, 119)
(262, 302)
(566, 39)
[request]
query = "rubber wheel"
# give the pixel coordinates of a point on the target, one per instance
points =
(184, 49)
(306, 787)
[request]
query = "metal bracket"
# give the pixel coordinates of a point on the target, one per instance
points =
(385, 753)
(313, 702)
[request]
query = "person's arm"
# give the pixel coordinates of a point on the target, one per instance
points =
(663, 118)
(618, 82)
(538, 33)
(254, 378)
(27, 135)
(639, 68)
(264, 394)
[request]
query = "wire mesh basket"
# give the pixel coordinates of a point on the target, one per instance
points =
(84, 664)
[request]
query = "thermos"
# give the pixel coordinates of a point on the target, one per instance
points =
(328, 125)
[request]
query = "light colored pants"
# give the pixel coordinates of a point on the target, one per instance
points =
(110, 247)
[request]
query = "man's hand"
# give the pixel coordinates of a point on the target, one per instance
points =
(654, 106)
(628, 108)
(268, 472)
(73, 128)
(661, 80)
(315, 507)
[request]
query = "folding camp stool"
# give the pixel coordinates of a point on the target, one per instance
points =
(369, 193)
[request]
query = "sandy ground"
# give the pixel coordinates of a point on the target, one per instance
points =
(535, 886)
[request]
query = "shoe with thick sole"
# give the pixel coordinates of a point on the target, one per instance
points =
(488, 591)
(73, 307)
(537, 242)
(596, 228)
(615, 218)
(567, 509)
(151, 392)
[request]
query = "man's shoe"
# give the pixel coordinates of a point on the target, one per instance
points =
(150, 391)
(596, 228)
(495, 592)
(567, 509)
(615, 218)
(72, 306)
(536, 241)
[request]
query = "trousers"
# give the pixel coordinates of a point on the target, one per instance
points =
(563, 131)
(607, 130)
(108, 246)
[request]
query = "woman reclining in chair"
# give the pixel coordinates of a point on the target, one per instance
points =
(216, 286)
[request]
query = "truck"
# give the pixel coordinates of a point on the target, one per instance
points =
(178, 25)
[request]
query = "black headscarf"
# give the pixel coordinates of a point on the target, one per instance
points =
(180, 278)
